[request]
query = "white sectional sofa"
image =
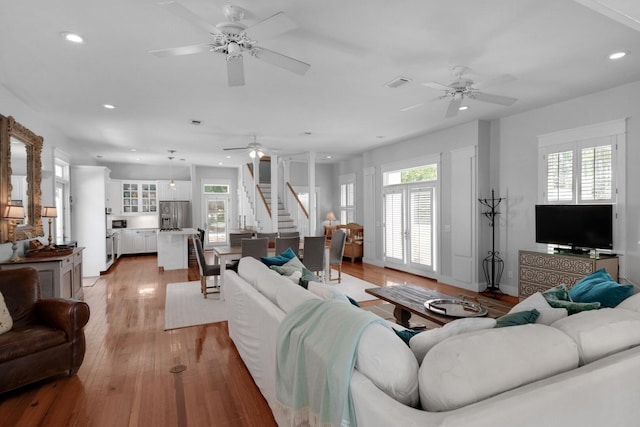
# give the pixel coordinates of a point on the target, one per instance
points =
(582, 370)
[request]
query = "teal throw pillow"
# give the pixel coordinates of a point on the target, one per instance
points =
(406, 334)
(517, 318)
(279, 259)
(559, 292)
(600, 287)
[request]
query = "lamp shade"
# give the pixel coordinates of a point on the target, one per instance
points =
(49, 212)
(330, 216)
(13, 212)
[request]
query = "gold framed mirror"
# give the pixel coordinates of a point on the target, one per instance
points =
(23, 186)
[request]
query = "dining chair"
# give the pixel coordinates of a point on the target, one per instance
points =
(270, 236)
(313, 253)
(206, 270)
(289, 234)
(282, 243)
(336, 252)
(255, 248)
(236, 238)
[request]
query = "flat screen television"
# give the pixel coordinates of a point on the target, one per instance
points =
(578, 226)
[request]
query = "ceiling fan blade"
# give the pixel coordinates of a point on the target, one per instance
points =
(272, 26)
(438, 86)
(184, 13)
(235, 148)
(280, 60)
(454, 106)
(494, 99)
(411, 107)
(184, 50)
(235, 70)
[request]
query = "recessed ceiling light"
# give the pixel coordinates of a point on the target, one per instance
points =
(329, 157)
(618, 55)
(463, 107)
(133, 150)
(109, 106)
(228, 157)
(72, 37)
(219, 163)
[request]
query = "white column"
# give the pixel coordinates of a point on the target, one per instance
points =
(312, 193)
(274, 192)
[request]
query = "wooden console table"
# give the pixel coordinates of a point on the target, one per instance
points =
(60, 276)
(539, 271)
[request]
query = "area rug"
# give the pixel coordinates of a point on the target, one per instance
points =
(89, 281)
(353, 287)
(185, 306)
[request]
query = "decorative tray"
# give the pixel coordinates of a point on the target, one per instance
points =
(46, 253)
(455, 308)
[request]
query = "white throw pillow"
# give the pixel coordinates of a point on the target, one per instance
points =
(548, 314)
(326, 291)
(387, 361)
(474, 366)
(269, 283)
(599, 333)
(421, 343)
(6, 321)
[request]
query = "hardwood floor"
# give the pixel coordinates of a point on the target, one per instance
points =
(126, 377)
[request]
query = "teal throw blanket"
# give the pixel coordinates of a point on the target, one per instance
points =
(316, 354)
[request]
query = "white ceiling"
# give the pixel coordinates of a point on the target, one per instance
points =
(555, 49)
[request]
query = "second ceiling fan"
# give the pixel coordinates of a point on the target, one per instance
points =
(232, 38)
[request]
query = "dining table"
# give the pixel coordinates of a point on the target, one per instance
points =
(225, 254)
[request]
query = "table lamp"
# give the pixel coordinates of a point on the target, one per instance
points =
(14, 214)
(330, 217)
(49, 212)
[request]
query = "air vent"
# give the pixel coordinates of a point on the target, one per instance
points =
(397, 82)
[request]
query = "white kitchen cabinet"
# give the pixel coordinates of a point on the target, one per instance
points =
(139, 197)
(182, 191)
(139, 241)
(114, 196)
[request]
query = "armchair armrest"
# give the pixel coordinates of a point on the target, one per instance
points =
(66, 314)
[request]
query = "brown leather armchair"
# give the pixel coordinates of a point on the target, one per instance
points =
(47, 337)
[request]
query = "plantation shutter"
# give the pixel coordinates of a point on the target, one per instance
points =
(394, 227)
(421, 225)
(560, 176)
(596, 173)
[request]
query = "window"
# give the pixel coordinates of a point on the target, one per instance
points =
(215, 189)
(347, 199)
(581, 172)
(406, 176)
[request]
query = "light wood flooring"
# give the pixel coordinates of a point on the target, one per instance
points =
(126, 377)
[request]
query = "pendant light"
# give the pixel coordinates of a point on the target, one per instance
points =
(172, 183)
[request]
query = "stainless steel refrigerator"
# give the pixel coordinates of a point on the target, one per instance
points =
(175, 214)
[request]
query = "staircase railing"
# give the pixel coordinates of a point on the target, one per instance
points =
(298, 212)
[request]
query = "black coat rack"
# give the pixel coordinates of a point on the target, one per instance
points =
(492, 265)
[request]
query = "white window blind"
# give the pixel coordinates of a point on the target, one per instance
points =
(347, 202)
(560, 176)
(596, 173)
(394, 227)
(421, 225)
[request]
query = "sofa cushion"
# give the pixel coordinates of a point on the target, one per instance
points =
(327, 291)
(600, 287)
(602, 332)
(477, 365)
(388, 363)
(631, 303)
(250, 269)
(270, 283)
(548, 314)
(289, 297)
(424, 341)
(6, 322)
(23, 341)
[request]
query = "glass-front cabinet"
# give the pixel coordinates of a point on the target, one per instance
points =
(139, 197)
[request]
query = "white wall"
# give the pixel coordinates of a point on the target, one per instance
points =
(214, 174)
(517, 140)
(299, 178)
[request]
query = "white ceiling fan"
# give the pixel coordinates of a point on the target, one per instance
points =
(464, 87)
(254, 149)
(232, 38)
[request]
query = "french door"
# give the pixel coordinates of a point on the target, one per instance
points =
(217, 219)
(409, 224)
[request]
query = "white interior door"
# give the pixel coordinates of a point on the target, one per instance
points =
(216, 213)
(394, 228)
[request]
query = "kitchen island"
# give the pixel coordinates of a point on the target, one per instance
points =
(173, 248)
